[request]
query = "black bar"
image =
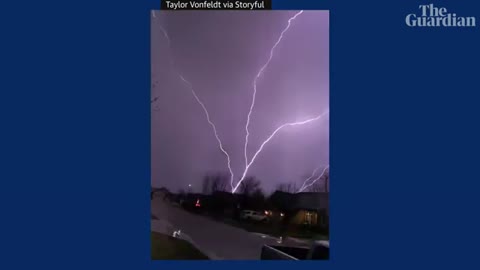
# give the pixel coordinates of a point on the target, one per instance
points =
(216, 4)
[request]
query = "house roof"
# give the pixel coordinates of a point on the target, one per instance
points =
(303, 200)
(281, 195)
(311, 200)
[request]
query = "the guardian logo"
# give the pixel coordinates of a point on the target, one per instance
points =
(431, 16)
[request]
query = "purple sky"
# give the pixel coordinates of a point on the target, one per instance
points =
(220, 53)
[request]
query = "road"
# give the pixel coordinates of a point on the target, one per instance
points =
(215, 239)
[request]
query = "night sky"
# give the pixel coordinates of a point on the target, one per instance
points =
(220, 53)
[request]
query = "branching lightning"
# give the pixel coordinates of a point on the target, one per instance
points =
(308, 179)
(304, 187)
(258, 76)
(166, 35)
(248, 163)
(269, 138)
(214, 128)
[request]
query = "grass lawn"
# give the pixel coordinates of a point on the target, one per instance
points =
(166, 247)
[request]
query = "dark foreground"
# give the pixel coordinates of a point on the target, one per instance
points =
(166, 247)
(217, 240)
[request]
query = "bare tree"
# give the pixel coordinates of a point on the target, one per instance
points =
(287, 187)
(258, 193)
(249, 185)
(214, 182)
(219, 182)
(206, 184)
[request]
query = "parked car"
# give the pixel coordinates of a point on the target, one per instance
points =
(253, 215)
(319, 250)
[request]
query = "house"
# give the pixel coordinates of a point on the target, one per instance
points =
(310, 208)
(281, 201)
(304, 208)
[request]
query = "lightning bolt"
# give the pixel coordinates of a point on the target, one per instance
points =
(258, 76)
(270, 138)
(209, 120)
(166, 35)
(248, 164)
(308, 179)
(214, 128)
(315, 180)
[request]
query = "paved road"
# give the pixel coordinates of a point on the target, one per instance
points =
(215, 239)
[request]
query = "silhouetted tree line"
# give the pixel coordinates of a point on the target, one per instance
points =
(218, 200)
(215, 182)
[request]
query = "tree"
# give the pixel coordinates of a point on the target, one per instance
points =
(287, 187)
(251, 194)
(206, 184)
(214, 182)
(219, 182)
(249, 185)
(257, 200)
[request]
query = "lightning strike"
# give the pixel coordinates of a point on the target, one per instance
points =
(258, 76)
(269, 138)
(210, 122)
(315, 180)
(308, 179)
(214, 128)
(166, 35)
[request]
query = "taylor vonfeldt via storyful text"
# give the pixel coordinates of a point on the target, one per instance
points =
(215, 5)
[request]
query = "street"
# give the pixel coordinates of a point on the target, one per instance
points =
(215, 239)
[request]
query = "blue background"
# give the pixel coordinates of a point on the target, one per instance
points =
(74, 137)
